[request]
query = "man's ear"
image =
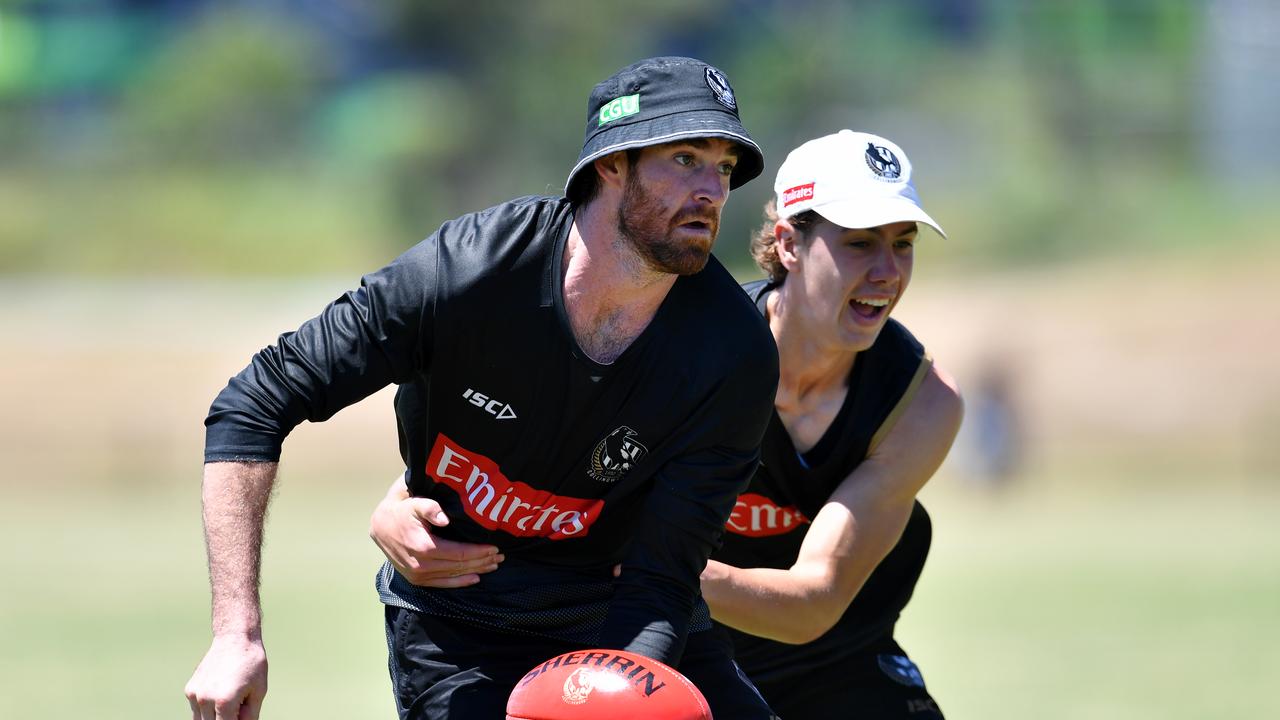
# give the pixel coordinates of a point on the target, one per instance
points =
(613, 169)
(786, 241)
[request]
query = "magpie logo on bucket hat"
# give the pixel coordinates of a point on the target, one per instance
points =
(660, 100)
(853, 179)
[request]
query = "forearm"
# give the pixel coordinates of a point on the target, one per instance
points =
(685, 513)
(647, 615)
(792, 606)
(845, 543)
(235, 497)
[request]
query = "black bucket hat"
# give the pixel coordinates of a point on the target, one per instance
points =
(661, 100)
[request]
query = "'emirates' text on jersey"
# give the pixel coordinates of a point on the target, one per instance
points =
(568, 466)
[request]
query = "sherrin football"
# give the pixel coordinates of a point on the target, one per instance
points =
(605, 685)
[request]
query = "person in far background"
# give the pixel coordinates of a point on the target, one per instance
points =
(823, 550)
(995, 433)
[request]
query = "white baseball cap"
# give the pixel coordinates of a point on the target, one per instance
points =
(853, 179)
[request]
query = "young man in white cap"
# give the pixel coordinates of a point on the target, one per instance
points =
(823, 550)
(581, 385)
(825, 547)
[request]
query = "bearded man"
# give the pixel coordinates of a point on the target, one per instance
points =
(581, 385)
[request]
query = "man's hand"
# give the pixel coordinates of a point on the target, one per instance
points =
(401, 527)
(230, 682)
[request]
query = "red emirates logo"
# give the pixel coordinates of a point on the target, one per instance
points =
(497, 503)
(758, 516)
(799, 193)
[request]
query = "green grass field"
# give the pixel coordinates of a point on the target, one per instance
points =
(1148, 602)
(1142, 603)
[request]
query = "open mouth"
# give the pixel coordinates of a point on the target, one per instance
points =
(869, 308)
(697, 221)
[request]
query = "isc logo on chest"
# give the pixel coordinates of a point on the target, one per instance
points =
(496, 408)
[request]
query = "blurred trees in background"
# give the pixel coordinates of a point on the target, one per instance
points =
(298, 136)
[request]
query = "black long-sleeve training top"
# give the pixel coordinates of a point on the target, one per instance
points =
(567, 465)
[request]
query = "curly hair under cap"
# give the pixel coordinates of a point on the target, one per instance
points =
(764, 246)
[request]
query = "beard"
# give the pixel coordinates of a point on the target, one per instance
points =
(642, 223)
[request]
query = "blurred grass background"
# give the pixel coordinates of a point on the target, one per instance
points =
(181, 180)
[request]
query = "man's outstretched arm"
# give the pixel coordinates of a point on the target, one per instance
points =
(233, 673)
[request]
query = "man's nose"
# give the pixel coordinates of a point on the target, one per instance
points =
(713, 187)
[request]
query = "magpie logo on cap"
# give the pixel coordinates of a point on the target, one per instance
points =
(719, 85)
(883, 162)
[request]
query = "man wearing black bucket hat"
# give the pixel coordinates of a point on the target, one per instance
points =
(581, 385)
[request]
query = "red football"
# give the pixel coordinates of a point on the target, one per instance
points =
(611, 684)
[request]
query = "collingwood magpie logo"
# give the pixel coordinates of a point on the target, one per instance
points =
(615, 455)
(719, 85)
(883, 162)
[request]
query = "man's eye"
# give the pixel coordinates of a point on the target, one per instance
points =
(685, 160)
(905, 244)
(726, 169)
